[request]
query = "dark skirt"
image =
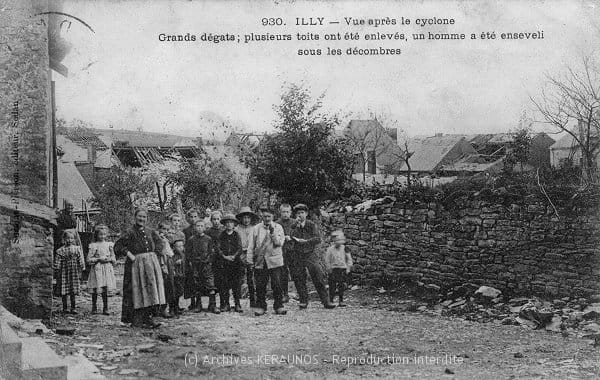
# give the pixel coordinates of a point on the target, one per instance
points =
(127, 305)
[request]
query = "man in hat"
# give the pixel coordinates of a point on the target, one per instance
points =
(306, 237)
(247, 219)
(230, 252)
(286, 221)
(266, 256)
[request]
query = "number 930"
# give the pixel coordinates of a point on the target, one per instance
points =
(272, 21)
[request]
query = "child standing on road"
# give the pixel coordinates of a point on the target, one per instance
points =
(229, 257)
(165, 259)
(338, 262)
(101, 258)
(69, 263)
(214, 231)
(199, 278)
(178, 274)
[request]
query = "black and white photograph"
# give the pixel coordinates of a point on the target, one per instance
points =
(284, 189)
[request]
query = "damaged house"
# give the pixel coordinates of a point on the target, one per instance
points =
(138, 149)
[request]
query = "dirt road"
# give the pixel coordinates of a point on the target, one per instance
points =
(363, 339)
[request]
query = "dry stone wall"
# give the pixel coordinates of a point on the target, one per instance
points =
(517, 249)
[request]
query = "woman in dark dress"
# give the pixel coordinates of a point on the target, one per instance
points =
(143, 287)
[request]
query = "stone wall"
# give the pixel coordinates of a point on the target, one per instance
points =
(25, 174)
(26, 266)
(25, 107)
(517, 249)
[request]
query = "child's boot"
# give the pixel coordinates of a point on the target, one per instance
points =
(198, 308)
(73, 304)
(238, 307)
(64, 304)
(164, 313)
(342, 304)
(174, 308)
(104, 303)
(212, 304)
(94, 302)
(224, 298)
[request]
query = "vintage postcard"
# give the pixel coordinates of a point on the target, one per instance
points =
(299, 189)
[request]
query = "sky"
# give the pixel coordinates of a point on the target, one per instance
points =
(121, 75)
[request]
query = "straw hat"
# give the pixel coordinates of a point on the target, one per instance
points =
(229, 218)
(246, 211)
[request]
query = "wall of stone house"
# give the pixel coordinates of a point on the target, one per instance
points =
(25, 107)
(517, 249)
(26, 266)
(25, 120)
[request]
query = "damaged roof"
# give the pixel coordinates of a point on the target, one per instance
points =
(72, 186)
(124, 137)
(429, 152)
(475, 164)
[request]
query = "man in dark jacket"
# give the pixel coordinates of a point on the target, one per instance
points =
(305, 237)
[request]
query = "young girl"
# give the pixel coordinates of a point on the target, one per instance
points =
(69, 263)
(101, 257)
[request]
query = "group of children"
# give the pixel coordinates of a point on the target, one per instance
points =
(200, 260)
(69, 264)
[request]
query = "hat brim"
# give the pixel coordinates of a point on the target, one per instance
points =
(225, 220)
(242, 214)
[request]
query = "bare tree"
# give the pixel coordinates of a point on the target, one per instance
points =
(574, 97)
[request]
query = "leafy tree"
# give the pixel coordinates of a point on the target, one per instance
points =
(304, 161)
(206, 183)
(116, 192)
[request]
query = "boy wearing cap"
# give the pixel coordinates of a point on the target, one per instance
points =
(230, 252)
(247, 219)
(338, 262)
(306, 237)
(266, 256)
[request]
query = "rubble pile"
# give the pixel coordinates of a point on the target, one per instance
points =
(567, 315)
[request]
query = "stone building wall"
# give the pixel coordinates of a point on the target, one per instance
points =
(25, 113)
(517, 249)
(25, 173)
(26, 266)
